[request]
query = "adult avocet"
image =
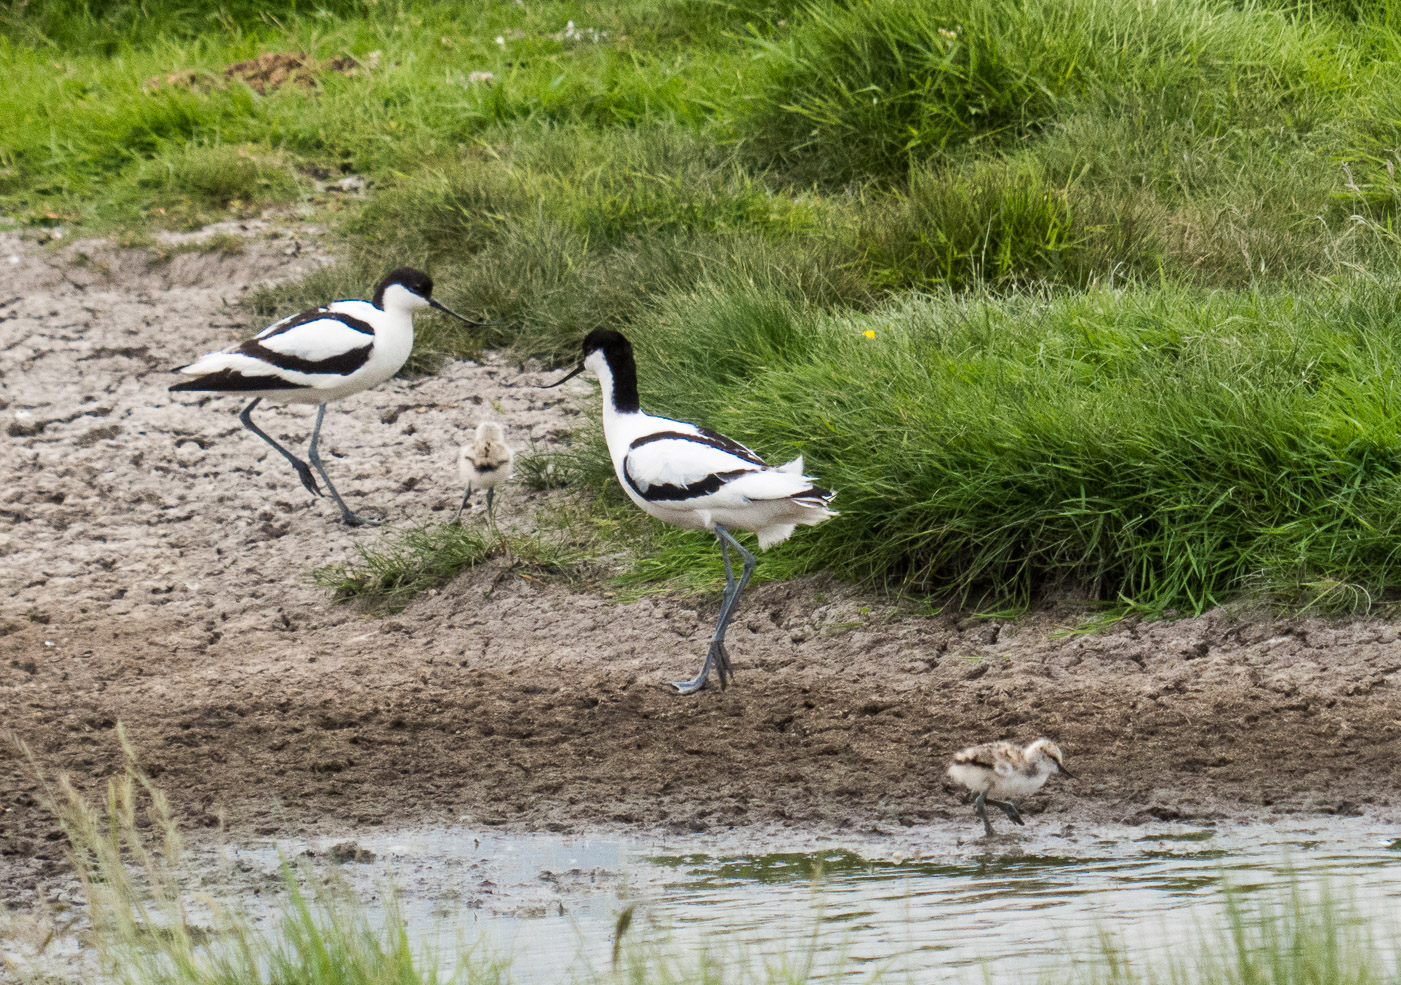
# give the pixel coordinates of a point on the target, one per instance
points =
(691, 477)
(484, 464)
(318, 356)
(1002, 770)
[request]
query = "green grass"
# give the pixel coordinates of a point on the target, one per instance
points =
(1148, 449)
(393, 571)
(870, 87)
(1093, 240)
(78, 121)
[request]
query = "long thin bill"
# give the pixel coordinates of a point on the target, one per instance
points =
(443, 307)
(572, 373)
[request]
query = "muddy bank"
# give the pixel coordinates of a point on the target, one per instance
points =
(156, 562)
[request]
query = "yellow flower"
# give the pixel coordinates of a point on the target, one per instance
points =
(870, 333)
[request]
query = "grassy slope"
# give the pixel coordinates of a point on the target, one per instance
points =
(1131, 268)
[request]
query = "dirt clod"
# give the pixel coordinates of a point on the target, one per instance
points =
(349, 851)
(269, 71)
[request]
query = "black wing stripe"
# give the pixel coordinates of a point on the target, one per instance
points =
(667, 492)
(707, 438)
(982, 759)
(320, 314)
(341, 364)
(731, 445)
(231, 381)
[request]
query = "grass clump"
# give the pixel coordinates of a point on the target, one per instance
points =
(871, 87)
(198, 184)
(149, 928)
(395, 571)
(1001, 225)
(574, 232)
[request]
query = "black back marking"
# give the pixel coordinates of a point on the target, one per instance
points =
(667, 492)
(232, 381)
(983, 759)
(319, 314)
(341, 364)
(708, 438)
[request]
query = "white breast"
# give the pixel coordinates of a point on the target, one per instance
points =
(1015, 785)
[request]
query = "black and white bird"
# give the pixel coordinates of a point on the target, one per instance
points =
(690, 477)
(1002, 770)
(318, 356)
(484, 463)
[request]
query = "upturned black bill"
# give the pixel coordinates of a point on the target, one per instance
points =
(443, 307)
(569, 376)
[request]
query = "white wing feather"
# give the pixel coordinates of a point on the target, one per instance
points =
(678, 462)
(324, 338)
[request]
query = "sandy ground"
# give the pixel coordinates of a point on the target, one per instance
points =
(155, 568)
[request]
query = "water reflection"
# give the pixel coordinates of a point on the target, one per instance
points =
(917, 903)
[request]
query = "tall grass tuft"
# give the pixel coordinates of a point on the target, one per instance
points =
(871, 87)
(1002, 225)
(573, 232)
(150, 928)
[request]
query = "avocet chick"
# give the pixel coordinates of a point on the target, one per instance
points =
(484, 463)
(1001, 770)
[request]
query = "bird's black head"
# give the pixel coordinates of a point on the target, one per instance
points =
(607, 341)
(412, 280)
(616, 351)
(420, 292)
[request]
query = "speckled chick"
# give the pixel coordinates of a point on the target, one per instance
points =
(994, 772)
(484, 463)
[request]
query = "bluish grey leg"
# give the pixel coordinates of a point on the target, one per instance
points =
(490, 515)
(717, 649)
(305, 473)
(350, 519)
(465, 496)
(980, 805)
(717, 654)
(1013, 815)
(698, 682)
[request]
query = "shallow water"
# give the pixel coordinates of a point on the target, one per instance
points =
(912, 902)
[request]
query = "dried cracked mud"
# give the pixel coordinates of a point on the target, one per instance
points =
(155, 569)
